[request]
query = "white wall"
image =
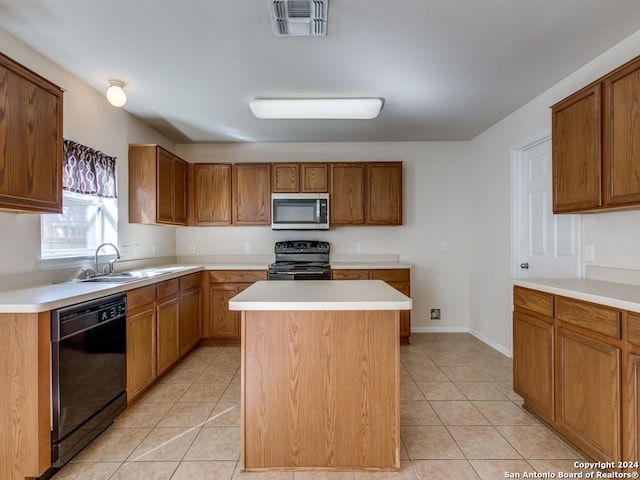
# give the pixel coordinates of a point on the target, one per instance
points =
(91, 120)
(436, 206)
(616, 236)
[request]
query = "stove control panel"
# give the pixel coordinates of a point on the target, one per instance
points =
(310, 246)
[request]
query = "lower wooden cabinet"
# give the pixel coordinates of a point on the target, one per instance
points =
(589, 376)
(533, 363)
(568, 359)
(163, 324)
(221, 325)
(398, 278)
(141, 340)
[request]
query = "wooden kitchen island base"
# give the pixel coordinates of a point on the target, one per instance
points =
(320, 390)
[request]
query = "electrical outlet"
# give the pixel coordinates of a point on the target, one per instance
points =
(445, 247)
(434, 314)
(192, 248)
(360, 247)
(124, 251)
(154, 250)
(589, 253)
(247, 248)
(136, 250)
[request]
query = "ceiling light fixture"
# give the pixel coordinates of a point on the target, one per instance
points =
(316, 108)
(115, 93)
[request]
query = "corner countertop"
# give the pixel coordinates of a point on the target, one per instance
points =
(611, 294)
(320, 295)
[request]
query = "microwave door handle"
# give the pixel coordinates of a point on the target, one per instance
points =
(318, 210)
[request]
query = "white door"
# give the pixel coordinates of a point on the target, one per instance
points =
(548, 245)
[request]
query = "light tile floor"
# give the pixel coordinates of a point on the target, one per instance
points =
(460, 419)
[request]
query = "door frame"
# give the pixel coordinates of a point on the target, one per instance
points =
(517, 202)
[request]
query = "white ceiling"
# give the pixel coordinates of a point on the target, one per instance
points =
(447, 69)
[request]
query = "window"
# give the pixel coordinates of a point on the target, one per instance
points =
(89, 208)
(86, 221)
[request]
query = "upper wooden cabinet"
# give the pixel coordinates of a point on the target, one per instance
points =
(577, 152)
(299, 177)
(595, 140)
(210, 194)
(366, 193)
(30, 140)
(347, 189)
(251, 194)
(157, 186)
(384, 193)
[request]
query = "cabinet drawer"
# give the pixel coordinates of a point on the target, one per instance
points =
(189, 281)
(237, 276)
(168, 288)
(391, 275)
(533, 300)
(350, 274)
(141, 296)
(594, 317)
(633, 328)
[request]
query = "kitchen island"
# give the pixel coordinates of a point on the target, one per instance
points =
(320, 386)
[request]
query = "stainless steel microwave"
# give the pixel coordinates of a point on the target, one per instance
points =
(300, 211)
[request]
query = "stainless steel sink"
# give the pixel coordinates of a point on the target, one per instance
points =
(125, 277)
(120, 278)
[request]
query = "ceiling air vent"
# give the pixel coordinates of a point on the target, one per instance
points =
(299, 17)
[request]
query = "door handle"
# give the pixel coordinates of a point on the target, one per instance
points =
(524, 265)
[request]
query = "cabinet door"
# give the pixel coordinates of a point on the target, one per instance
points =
(141, 351)
(577, 158)
(211, 190)
(164, 193)
(533, 363)
(347, 194)
(314, 177)
(285, 178)
(189, 320)
(179, 192)
(631, 406)
(384, 193)
(588, 410)
(222, 321)
(30, 140)
(168, 331)
(622, 136)
(252, 194)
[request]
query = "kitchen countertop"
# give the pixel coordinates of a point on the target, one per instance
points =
(41, 298)
(320, 295)
(611, 294)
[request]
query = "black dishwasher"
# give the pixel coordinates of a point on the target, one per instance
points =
(88, 372)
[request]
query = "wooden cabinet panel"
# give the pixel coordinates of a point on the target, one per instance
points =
(189, 319)
(157, 186)
(533, 376)
(190, 281)
(350, 274)
(222, 321)
(391, 274)
(140, 297)
(237, 276)
(577, 152)
(533, 300)
(314, 177)
(168, 332)
(384, 193)
(210, 194)
(347, 191)
(168, 288)
(633, 328)
(631, 408)
(141, 350)
(285, 177)
(30, 140)
(594, 317)
(622, 135)
(252, 194)
(588, 410)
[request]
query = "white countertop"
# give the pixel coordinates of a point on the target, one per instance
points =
(611, 294)
(320, 295)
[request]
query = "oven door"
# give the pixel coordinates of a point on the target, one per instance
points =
(300, 276)
(300, 211)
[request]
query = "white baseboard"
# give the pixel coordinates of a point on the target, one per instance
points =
(496, 346)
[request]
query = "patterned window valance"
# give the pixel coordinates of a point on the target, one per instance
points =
(88, 171)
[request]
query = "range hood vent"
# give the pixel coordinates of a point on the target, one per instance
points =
(299, 17)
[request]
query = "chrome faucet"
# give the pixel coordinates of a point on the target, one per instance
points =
(111, 262)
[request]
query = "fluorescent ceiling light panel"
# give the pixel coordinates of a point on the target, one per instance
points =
(316, 108)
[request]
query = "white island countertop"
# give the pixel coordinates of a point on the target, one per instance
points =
(320, 295)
